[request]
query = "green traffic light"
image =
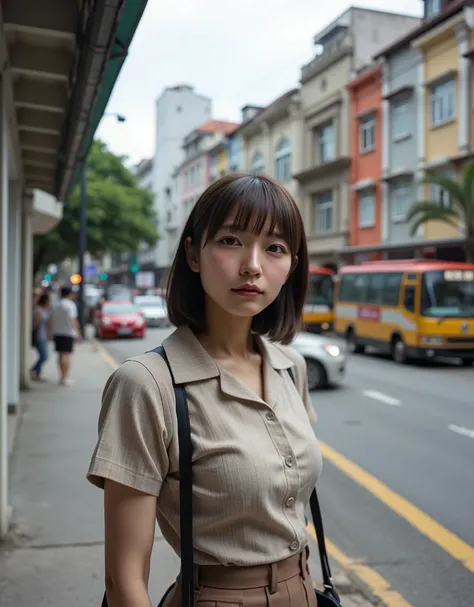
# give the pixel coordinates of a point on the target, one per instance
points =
(134, 268)
(104, 276)
(47, 277)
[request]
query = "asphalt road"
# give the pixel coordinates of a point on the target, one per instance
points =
(412, 429)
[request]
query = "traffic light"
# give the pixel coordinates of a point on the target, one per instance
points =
(76, 279)
(134, 268)
(104, 276)
(47, 277)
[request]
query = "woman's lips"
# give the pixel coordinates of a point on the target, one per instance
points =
(246, 292)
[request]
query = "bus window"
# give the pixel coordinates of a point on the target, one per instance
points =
(375, 290)
(346, 287)
(409, 300)
(391, 292)
(448, 294)
(320, 290)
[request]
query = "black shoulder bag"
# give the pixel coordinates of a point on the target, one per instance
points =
(326, 598)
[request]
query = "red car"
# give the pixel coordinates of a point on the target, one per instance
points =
(119, 319)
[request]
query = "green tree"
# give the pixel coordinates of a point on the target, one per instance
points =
(459, 212)
(120, 214)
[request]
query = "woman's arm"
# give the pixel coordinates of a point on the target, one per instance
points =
(129, 533)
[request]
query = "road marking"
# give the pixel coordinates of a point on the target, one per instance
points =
(108, 358)
(461, 430)
(448, 541)
(378, 585)
(383, 398)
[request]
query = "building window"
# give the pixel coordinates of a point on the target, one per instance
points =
(367, 208)
(432, 8)
(442, 103)
(367, 134)
(258, 163)
(401, 128)
(283, 161)
(324, 212)
(440, 196)
(326, 143)
(401, 202)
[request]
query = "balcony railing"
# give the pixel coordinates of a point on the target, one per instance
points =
(330, 55)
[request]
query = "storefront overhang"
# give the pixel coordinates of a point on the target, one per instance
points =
(414, 244)
(64, 57)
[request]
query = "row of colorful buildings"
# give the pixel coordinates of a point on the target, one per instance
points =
(385, 100)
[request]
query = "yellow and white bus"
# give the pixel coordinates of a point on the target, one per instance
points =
(318, 312)
(409, 308)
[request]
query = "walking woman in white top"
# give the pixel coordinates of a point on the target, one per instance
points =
(235, 292)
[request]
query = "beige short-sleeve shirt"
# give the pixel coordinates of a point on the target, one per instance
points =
(255, 462)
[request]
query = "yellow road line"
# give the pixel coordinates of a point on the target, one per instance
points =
(108, 358)
(378, 585)
(447, 540)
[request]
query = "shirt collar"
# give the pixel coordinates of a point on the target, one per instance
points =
(190, 362)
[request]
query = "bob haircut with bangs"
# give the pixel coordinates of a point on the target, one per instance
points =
(250, 201)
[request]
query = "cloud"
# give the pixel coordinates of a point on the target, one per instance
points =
(236, 53)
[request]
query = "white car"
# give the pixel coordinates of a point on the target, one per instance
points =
(153, 309)
(325, 358)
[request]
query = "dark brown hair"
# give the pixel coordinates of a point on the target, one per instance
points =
(250, 200)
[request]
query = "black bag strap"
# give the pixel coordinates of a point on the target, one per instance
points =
(185, 489)
(318, 526)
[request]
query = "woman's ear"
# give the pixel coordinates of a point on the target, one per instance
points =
(191, 256)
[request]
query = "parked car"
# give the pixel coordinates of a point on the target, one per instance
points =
(119, 319)
(325, 357)
(154, 310)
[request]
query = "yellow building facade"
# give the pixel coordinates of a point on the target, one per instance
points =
(445, 105)
(222, 161)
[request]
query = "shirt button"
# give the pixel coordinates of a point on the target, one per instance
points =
(290, 502)
(295, 545)
(289, 460)
(270, 416)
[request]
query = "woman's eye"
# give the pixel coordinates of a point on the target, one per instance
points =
(277, 248)
(229, 240)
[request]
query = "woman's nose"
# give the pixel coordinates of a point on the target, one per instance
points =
(251, 263)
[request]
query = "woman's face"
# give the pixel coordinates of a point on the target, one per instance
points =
(242, 272)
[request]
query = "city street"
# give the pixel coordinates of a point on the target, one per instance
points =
(397, 488)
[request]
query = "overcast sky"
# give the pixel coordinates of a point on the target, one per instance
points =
(249, 51)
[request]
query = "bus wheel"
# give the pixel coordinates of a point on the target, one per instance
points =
(399, 352)
(352, 344)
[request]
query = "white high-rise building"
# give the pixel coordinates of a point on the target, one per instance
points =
(179, 110)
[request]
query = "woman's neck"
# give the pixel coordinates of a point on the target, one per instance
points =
(227, 336)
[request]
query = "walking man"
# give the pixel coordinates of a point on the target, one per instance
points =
(65, 329)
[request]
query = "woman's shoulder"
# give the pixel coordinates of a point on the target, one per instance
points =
(289, 351)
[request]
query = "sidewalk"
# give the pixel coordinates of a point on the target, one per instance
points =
(55, 553)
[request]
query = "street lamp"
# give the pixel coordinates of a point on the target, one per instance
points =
(83, 233)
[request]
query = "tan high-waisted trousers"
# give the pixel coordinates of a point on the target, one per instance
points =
(284, 584)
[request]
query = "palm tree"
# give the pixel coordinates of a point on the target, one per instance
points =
(459, 212)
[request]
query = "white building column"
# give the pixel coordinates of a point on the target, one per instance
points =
(26, 291)
(421, 135)
(4, 353)
(13, 304)
(386, 143)
(462, 37)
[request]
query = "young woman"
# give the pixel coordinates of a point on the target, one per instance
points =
(40, 339)
(235, 293)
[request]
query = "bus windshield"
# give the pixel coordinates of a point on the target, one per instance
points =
(448, 293)
(320, 290)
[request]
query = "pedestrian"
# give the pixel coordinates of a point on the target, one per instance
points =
(65, 329)
(40, 335)
(235, 292)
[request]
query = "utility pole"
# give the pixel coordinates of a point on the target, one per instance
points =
(82, 246)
